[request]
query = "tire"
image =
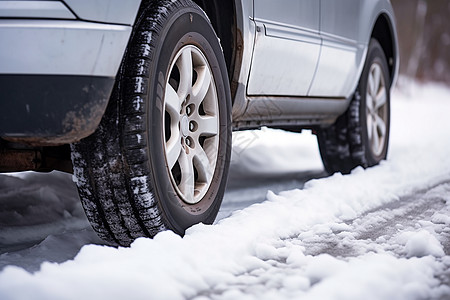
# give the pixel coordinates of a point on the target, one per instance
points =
(159, 159)
(360, 137)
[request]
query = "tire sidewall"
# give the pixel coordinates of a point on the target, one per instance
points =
(375, 55)
(187, 26)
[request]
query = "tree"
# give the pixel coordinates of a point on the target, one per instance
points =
(423, 28)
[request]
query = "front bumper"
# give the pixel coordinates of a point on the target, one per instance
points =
(56, 77)
(48, 110)
(61, 47)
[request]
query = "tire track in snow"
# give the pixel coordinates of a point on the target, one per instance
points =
(386, 229)
(379, 226)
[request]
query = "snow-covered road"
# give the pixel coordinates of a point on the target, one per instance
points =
(381, 233)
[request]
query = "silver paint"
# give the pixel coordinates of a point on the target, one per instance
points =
(300, 58)
(106, 11)
(35, 9)
(61, 47)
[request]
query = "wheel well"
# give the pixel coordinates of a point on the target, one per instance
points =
(222, 14)
(382, 32)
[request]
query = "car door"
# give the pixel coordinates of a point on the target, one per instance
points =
(287, 47)
(341, 51)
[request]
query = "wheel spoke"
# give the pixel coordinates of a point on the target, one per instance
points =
(377, 79)
(202, 165)
(186, 185)
(369, 103)
(173, 107)
(371, 83)
(173, 149)
(184, 65)
(381, 98)
(375, 139)
(370, 126)
(173, 104)
(380, 125)
(202, 85)
(207, 126)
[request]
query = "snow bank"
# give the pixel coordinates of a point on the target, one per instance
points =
(269, 151)
(260, 252)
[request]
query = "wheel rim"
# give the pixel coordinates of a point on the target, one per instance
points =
(191, 124)
(376, 109)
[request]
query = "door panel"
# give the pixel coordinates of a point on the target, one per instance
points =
(337, 71)
(341, 52)
(341, 18)
(298, 13)
(287, 47)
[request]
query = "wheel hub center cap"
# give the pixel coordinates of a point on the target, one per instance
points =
(184, 126)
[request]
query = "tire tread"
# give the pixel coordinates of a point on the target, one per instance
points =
(114, 187)
(342, 145)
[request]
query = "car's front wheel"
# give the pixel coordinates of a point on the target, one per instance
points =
(360, 137)
(159, 159)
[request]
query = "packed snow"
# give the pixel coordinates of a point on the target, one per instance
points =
(380, 233)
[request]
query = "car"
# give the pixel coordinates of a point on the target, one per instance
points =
(139, 98)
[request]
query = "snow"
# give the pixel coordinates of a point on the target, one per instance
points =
(380, 233)
(253, 149)
(422, 243)
(139, 84)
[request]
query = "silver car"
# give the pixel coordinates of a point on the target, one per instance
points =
(139, 98)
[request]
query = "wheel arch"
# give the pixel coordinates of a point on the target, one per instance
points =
(384, 32)
(222, 14)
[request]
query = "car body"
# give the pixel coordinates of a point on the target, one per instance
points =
(288, 64)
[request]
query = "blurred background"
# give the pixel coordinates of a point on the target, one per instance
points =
(424, 36)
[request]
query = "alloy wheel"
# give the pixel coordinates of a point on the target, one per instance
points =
(191, 122)
(376, 109)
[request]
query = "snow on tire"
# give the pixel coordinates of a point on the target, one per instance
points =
(159, 159)
(360, 137)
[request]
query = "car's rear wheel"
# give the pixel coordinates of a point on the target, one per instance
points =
(159, 159)
(360, 137)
